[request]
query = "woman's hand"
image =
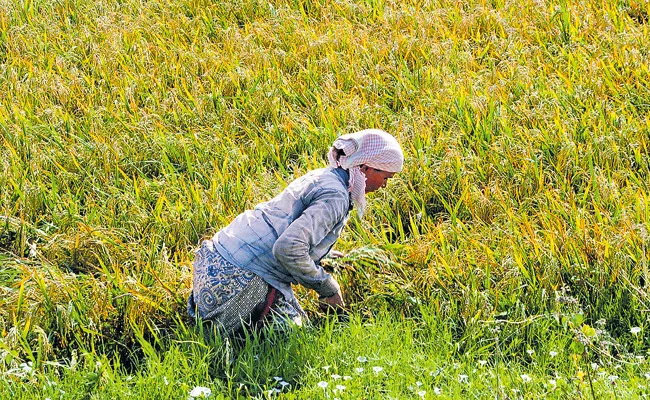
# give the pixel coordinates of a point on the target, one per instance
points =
(333, 302)
(334, 254)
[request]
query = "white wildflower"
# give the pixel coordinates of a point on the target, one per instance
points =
(437, 391)
(636, 330)
(462, 378)
(421, 393)
(27, 367)
(201, 392)
(340, 387)
(482, 363)
(552, 353)
(526, 378)
(377, 369)
(530, 352)
(347, 377)
(359, 369)
(336, 376)
(362, 359)
(322, 384)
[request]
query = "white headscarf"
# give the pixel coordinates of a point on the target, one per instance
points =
(372, 147)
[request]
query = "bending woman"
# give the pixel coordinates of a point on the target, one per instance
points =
(243, 275)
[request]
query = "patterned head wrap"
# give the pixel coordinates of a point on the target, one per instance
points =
(372, 147)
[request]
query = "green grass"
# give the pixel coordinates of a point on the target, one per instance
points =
(363, 358)
(131, 130)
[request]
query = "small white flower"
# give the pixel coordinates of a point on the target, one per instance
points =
(553, 383)
(530, 352)
(277, 378)
(463, 378)
(165, 381)
(326, 368)
(437, 390)
(128, 378)
(482, 363)
(336, 376)
(647, 375)
(200, 391)
(274, 391)
(322, 384)
(612, 379)
(362, 359)
(359, 369)
(32, 250)
(418, 383)
(525, 378)
(594, 366)
(421, 393)
(552, 353)
(347, 377)
(377, 369)
(340, 387)
(27, 367)
(635, 330)
(284, 383)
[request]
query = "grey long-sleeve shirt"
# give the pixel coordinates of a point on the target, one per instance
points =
(284, 239)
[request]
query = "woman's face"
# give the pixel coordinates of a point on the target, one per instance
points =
(375, 178)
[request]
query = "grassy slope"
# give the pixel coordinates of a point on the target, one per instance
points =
(130, 131)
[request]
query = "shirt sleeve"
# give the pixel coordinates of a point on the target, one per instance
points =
(292, 248)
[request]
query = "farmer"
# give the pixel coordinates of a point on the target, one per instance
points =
(243, 275)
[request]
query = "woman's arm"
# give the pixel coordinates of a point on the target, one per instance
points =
(314, 224)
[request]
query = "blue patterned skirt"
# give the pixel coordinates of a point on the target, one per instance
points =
(233, 297)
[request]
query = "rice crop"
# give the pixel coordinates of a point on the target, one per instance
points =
(509, 259)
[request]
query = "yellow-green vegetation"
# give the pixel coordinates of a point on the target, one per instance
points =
(508, 260)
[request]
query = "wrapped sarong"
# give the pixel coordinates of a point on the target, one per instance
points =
(233, 297)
